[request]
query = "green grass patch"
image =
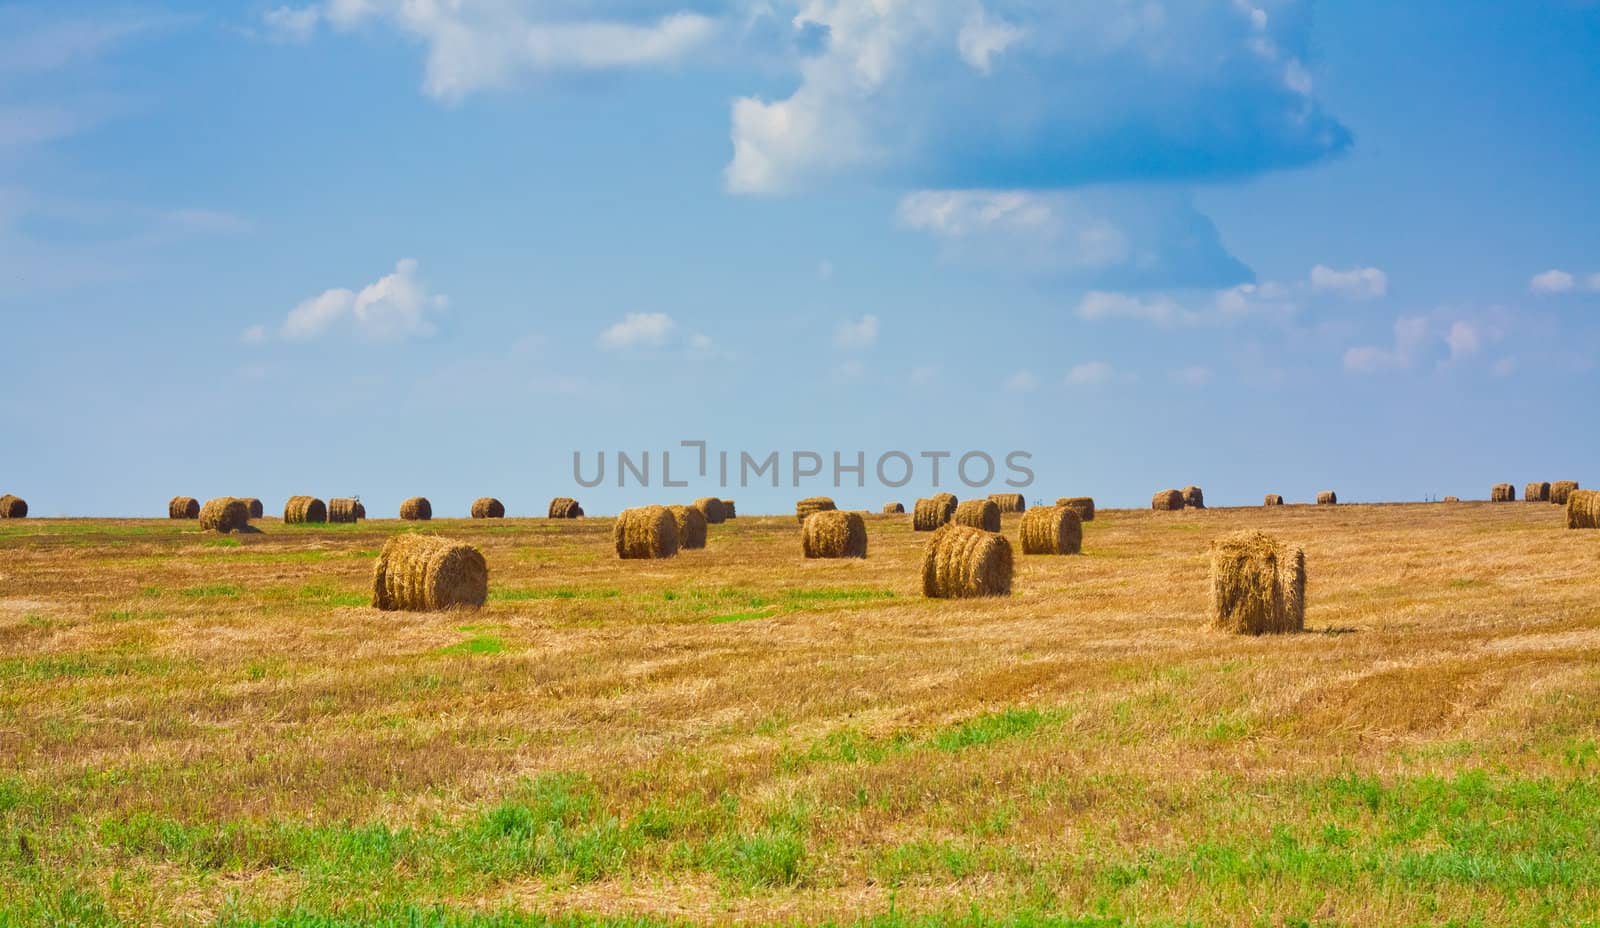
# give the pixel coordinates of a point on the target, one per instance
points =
(476, 645)
(989, 728)
(519, 596)
(212, 591)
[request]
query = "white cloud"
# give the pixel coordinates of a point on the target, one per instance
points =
(1193, 376)
(292, 24)
(637, 330)
(1409, 335)
(1265, 299)
(982, 38)
(398, 305)
(1022, 382)
(1360, 283)
(1465, 340)
(856, 336)
(1099, 305)
(1552, 281)
(1090, 374)
(253, 335)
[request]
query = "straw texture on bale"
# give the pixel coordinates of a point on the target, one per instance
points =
(224, 514)
(962, 562)
(1082, 505)
(1009, 502)
(564, 507)
(305, 509)
(1051, 530)
(254, 505)
(933, 513)
(894, 509)
(1258, 585)
(416, 509)
(345, 511)
(978, 513)
(728, 509)
(1503, 493)
(426, 573)
(645, 533)
(1583, 509)
(691, 522)
(1194, 498)
(1167, 501)
(713, 509)
(13, 507)
(487, 507)
(1273, 499)
(1536, 493)
(183, 507)
(1327, 498)
(1560, 490)
(834, 535)
(812, 504)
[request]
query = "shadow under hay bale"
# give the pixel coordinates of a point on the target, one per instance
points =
(565, 507)
(426, 573)
(345, 511)
(1583, 509)
(487, 507)
(894, 509)
(183, 507)
(1503, 493)
(1009, 502)
(305, 509)
(812, 504)
(728, 509)
(416, 509)
(1561, 489)
(1273, 499)
(1167, 501)
(833, 534)
(978, 513)
(713, 509)
(1327, 498)
(934, 513)
(224, 514)
(1536, 492)
(13, 507)
(646, 533)
(254, 505)
(1082, 505)
(1051, 530)
(962, 562)
(691, 522)
(1258, 585)
(1194, 498)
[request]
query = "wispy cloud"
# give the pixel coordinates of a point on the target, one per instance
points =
(1090, 373)
(1409, 335)
(1552, 281)
(638, 330)
(858, 335)
(397, 305)
(1022, 382)
(1359, 283)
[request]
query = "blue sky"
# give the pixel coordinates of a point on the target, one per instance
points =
(389, 248)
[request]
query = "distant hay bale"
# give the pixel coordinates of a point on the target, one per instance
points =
(1327, 498)
(183, 507)
(978, 513)
(254, 505)
(564, 507)
(691, 522)
(1167, 501)
(834, 535)
(1560, 490)
(1009, 502)
(1051, 530)
(933, 513)
(487, 507)
(1273, 499)
(13, 507)
(426, 573)
(416, 509)
(1082, 505)
(1258, 585)
(1583, 509)
(1452, 499)
(894, 509)
(728, 509)
(962, 562)
(1194, 498)
(715, 511)
(1536, 492)
(812, 504)
(645, 533)
(224, 514)
(301, 509)
(1503, 493)
(345, 511)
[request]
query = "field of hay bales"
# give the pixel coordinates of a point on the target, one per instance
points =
(219, 730)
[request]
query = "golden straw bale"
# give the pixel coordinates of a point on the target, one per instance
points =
(1583, 509)
(13, 507)
(254, 505)
(1193, 498)
(812, 504)
(224, 514)
(645, 533)
(1082, 505)
(1503, 493)
(1560, 490)
(1452, 499)
(1167, 501)
(1327, 498)
(183, 507)
(963, 562)
(426, 573)
(713, 509)
(416, 509)
(564, 507)
(1258, 585)
(300, 509)
(934, 512)
(345, 511)
(1536, 492)
(691, 521)
(1051, 530)
(728, 509)
(1009, 502)
(834, 535)
(487, 507)
(1273, 499)
(894, 509)
(978, 513)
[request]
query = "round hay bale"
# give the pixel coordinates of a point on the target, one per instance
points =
(1167, 501)
(832, 534)
(416, 509)
(13, 507)
(713, 509)
(978, 513)
(183, 507)
(1327, 498)
(1009, 502)
(224, 514)
(813, 504)
(487, 507)
(645, 533)
(426, 573)
(1194, 498)
(345, 511)
(1536, 492)
(305, 509)
(1583, 509)
(933, 513)
(894, 509)
(1273, 499)
(565, 507)
(962, 562)
(1082, 505)
(254, 505)
(1560, 490)
(1051, 530)
(728, 510)
(1452, 499)
(691, 522)
(1258, 585)
(1503, 493)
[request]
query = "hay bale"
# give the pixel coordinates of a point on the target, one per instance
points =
(224, 514)
(345, 511)
(713, 509)
(645, 533)
(962, 562)
(834, 535)
(1051, 530)
(1452, 499)
(1327, 498)
(894, 509)
(691, 522)
(487, 507)
(426, 573)
(1009, 502)
(416, 509)
(1273, 499)
(812, 504)
(1583, 509)
(1560, 490)
(933, 513)
(978, 513)
(1194, 498)
(13, 507)
(728, 510)
(301, 509)
(1082, 505)
(183, 507)
(1503, 493)
(254, 505)
(1536, 492)
(1167, 501)
(1258, 585)
(564, 507)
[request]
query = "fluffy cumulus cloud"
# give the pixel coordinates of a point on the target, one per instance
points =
(639, 330)
(1447, 337)
(1410, 334)
(398, 305)
(1552, 281)
(1360, 283)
